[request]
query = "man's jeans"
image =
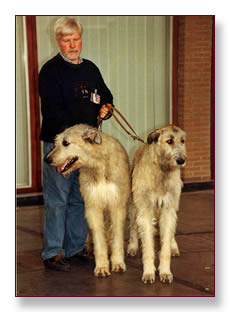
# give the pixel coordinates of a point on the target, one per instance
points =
(65, 227)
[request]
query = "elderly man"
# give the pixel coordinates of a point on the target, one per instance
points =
(72, 91)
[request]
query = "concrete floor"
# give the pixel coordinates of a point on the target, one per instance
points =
(193, 271)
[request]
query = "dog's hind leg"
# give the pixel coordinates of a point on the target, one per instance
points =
(146, 233)
(167, 225)
(174, 248)
(133, 232)
(133, 240)
(118, 217)
(95, 218)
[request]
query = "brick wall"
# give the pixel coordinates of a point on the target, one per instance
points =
(194, 91)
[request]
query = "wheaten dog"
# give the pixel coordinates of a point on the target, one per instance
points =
(105, 187)
(156, 189)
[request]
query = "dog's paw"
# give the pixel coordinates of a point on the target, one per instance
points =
(174, 249)
(131, 252)
(175, 253)
(166, 277)
(102, 272)
(148, 278)
(119, 267)
(132, 248)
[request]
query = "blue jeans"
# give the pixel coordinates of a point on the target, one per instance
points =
(65, 227)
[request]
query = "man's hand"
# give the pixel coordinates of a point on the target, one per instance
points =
(104, 110)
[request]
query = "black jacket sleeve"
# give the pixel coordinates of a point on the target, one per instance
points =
(106, 95)
(53, 107)
(55, 113)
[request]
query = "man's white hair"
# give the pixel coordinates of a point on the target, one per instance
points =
(67, 26)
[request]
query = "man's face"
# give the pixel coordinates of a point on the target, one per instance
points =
(70, 46)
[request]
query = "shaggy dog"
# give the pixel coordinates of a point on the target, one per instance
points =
(156, 189)
(104, 185)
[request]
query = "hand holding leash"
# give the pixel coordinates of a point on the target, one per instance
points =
(105, 109)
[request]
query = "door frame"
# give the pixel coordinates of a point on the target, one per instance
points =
(34, 105)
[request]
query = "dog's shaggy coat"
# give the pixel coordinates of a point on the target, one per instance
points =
(156, 189)
(104, 185)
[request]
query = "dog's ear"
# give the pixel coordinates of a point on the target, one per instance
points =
(92, 135)
(153, 137)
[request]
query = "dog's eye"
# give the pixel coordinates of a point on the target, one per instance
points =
(170, 141)
(65, 143)
(182, 141)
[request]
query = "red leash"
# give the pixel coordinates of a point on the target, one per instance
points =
(112, 112)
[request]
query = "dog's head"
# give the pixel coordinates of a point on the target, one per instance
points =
(74, 148)
(169, 144)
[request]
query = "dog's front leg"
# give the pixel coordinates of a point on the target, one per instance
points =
(146, 233)
(167, 225)
(117, 217)
(95, 220)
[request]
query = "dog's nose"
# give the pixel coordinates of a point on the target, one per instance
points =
(180, 161)
(48, 160)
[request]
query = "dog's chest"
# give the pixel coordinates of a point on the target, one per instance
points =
(165, 190)
(160, 200)
(103, 191)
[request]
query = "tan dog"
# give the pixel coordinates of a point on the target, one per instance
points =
(104, 185)
(156, 188)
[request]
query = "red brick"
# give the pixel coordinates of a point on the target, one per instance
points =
(194, 93)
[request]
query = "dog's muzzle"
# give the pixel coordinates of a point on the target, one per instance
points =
(48, 160)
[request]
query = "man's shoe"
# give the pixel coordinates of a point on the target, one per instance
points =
(82, 255)
(58, 263)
